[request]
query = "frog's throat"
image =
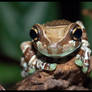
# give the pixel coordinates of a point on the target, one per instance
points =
(68, 52)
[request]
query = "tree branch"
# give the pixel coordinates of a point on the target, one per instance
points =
(67, 76)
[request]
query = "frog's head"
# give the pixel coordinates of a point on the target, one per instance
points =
(56, 39)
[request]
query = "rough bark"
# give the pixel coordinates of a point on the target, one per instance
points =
(66, 77)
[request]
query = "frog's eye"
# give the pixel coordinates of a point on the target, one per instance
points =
(76, 33)
(33, 34)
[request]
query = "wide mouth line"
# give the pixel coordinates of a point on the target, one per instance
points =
(62, 54)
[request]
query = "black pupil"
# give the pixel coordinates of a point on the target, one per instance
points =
(78, 33)
(33, 34)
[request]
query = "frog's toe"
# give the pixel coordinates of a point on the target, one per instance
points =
(31, 70)
(79, 63)
(85, 69)
(53, 67)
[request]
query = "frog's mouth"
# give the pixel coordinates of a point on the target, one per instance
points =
(61, 55)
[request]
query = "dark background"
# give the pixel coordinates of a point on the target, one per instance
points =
(17, 18)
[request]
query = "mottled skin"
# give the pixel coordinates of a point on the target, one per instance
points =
(53, 41)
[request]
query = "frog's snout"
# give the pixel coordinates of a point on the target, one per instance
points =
(54, 48)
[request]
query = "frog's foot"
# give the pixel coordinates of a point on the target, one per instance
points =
(37, 64)
(83, 58)
(85, 69)
(53, 67)
(31, 70)
(25, 73)
(45, 66)
(80, 64)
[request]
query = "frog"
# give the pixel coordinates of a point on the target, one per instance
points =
(53, 41)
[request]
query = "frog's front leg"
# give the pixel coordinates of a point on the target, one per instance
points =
(84, 54)
(30, 62)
